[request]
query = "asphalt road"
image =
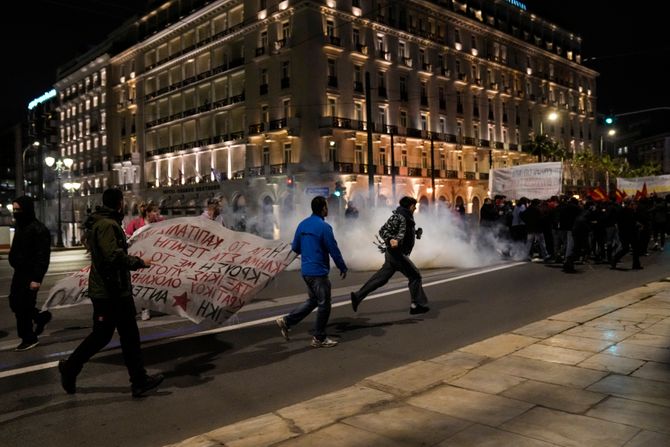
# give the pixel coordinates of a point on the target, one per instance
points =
(242, 371)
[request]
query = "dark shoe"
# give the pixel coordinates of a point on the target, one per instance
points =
(354, 302)
(149, 383)
(43, 318)
(282, 327)
(415, 309)
(25, 345)
(67, 380)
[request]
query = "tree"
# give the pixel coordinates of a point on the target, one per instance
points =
(546, 148)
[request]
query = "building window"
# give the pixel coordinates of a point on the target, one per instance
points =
(403, 118)
(265, 114)
(403, 158)
(332, 106)
(358, 111)
(424, 160)
(286, 106)
(358, 154)
(287, 153)
(330, 28)
(285, 30)
(382, 118)
(443, 161)
(424, 121)
(443, 125)
(382, 156)
(266, 155)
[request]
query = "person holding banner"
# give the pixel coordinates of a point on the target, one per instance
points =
(314, 242)
(111, 294)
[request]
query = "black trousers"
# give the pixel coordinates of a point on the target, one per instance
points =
(395, 261)
(108, 315)
(22, 301)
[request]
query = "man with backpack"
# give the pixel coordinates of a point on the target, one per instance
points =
(398, 234)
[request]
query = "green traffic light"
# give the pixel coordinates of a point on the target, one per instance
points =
(609, 120)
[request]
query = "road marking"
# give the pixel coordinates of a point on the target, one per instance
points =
(52, 364)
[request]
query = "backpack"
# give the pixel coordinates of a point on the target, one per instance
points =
(86, 231)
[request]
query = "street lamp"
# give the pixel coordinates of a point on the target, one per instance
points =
(552, 116)
(72, 187)
(59, 166)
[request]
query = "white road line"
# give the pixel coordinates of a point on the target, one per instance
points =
(33, 368)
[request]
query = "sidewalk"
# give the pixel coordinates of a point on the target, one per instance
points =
(597, 375)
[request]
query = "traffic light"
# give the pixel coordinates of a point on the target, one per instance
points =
(290, 181)
(339, 189)
(609, 120)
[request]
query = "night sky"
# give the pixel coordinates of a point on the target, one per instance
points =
(630, 46)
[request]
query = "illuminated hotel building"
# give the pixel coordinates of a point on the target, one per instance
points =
(235, 97)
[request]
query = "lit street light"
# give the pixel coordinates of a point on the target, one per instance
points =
(59, 166)
(72, 187)
(552, 116)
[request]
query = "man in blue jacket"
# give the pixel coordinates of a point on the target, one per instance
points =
(314, 242)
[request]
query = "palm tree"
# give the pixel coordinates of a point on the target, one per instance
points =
(546, 148)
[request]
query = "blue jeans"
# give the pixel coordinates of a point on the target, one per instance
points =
(318, 288)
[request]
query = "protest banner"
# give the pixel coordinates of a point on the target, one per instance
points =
(659, 184)
(533, 180)
(201, 270)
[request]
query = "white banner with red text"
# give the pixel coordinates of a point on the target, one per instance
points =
(533, 180)
(201, 270)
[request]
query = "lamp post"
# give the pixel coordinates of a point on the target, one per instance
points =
(552, 116)
(72, 187)
(59, 166)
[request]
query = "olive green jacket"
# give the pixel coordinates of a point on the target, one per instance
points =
(111, 264)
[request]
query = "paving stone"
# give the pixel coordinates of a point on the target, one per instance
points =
(607, 323)
(544, 328)
(413, 378)
(641, 352)
(657, 341)
(634, 388)
(570, 429)
(558, 397)
(637, 315)
(649, 439)
(324, 410)
(499, 346)
(409, 425)
(578, 343)
(612, 335)
(196, 441)
(260, 431)
(470, 405)
(611, 363)
(459, 359)
(545, 371)
(481, 436)
(553, 354)
(491, 382)
(654, 371)
(634, 413)
(660, 328)
(339, 435)
(586, 313)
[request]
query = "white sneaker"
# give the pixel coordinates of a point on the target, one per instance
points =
(325, 343)
(146, 315)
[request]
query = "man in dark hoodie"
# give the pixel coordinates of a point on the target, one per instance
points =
(29, 256)
(399, 236)
(110, 291)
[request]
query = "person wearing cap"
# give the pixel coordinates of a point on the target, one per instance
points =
(29, 256)
(399, 235)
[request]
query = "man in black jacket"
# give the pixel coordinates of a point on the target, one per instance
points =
(111, 294)
(29, 256)
(399, 236)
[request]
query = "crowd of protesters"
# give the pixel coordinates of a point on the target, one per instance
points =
(569, 231)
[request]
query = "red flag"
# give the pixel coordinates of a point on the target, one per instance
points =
(597, 194)
(619, 195)
(644, 190)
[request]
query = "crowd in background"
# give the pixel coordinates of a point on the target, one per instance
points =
(570, 231)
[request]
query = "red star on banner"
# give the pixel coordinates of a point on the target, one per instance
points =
(181, 301)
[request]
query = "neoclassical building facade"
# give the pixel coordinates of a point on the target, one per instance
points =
(265, 102)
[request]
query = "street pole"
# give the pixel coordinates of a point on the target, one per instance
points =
(432, 167)
(59, 242)
(368, 111)
(74, 239)
(392, 166)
